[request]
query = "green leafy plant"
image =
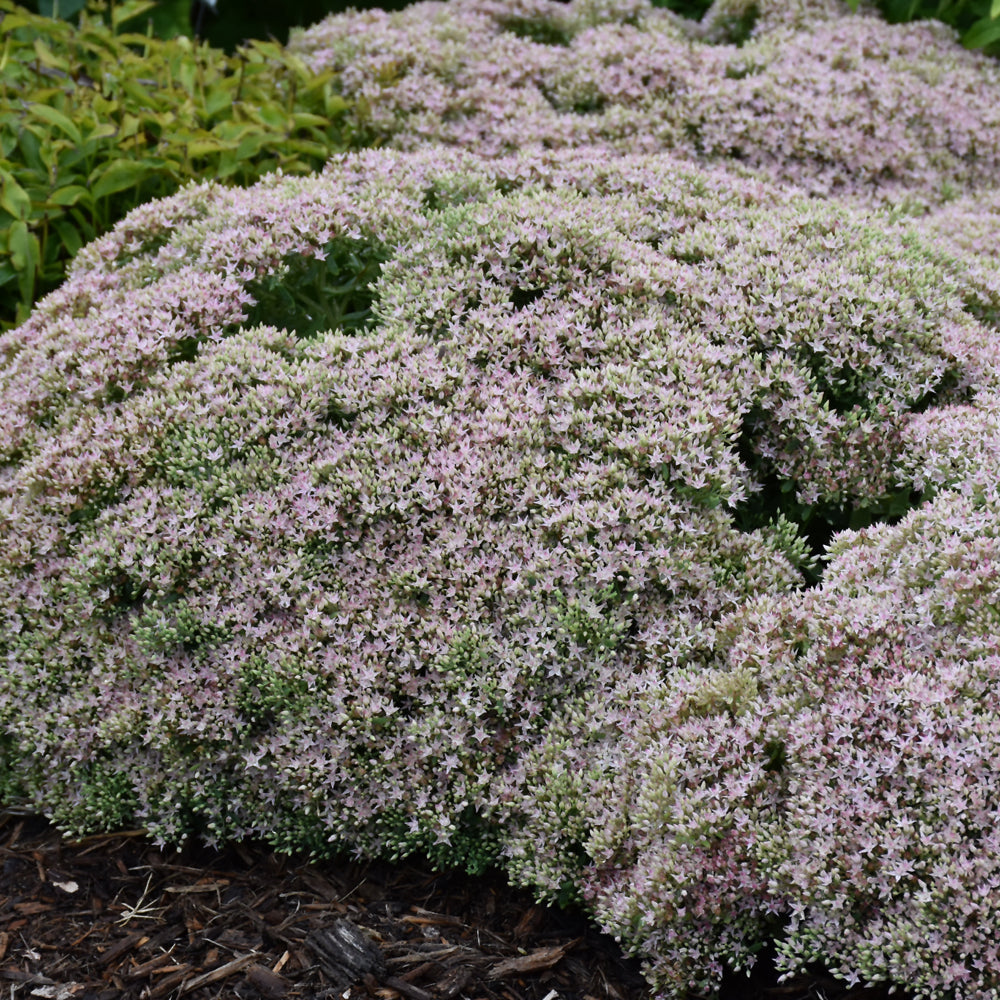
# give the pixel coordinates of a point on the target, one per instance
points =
(329, 291)
(94, 121)
(230, 24)
(168, 18)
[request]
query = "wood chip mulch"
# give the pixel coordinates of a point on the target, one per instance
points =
(112, 917)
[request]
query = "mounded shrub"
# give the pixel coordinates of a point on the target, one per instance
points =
(507, 566)
(621, 519)
(829, 785)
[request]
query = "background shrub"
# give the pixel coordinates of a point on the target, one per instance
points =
(96, 121)
(228, 26)
(830, 104)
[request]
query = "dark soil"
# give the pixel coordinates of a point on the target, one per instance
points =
(114, 918)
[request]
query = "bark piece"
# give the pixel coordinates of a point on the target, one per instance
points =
(453, 982)
(169, 983)
(269, 983)
(219, 973)
(346, 953)
(536, 961)
(408, 989)
(120, 947)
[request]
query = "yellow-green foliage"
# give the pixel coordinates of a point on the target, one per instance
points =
(94, 121)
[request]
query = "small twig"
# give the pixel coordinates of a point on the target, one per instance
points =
(141, 909)
(222, 972)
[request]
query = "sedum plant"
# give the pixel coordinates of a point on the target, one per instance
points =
(96, 120)
(498, 558)
(619, 515)
(830, 104)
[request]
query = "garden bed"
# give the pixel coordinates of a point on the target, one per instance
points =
(112, 917)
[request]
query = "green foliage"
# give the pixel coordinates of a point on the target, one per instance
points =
(692, 9)
(776, 508)
(471, 843)
(543, 31)
(298, 830)
(100, 794)
(12, 788)
(95, 121)
(467, 664)
(330, 291)
(108, 795)
(230, 25)
(267, 691)
(234, 22)
(593, 624)
(475, 846)
(977, 21)
(168, 624)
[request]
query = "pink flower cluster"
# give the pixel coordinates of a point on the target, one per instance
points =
(829, 783)
(822, 100)
(514, 571)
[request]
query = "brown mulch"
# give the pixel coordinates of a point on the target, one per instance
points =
(112, 917)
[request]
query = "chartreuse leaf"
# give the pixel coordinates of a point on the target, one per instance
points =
(47, 57)
(205, 147)
(301, 146)
(69, 236)
(981, 34)
(118, 175)
(24, 255)
(13, 198)
(231, 131)
(58, 119)
(305, 119)
(251, 145)
(103, 129)
(12, 20)
(132, 9)
(217, 101)
(8, 140)
(70, 195)
(20, 247)
(187, 74)
(130, 125)
(273, 115)
(139, 95)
